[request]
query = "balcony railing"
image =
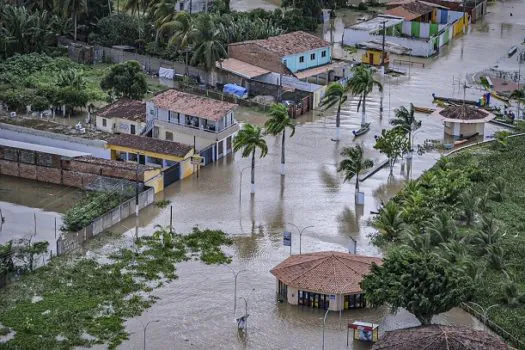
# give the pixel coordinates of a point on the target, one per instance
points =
(196, 131)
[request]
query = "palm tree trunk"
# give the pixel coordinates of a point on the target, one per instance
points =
(75, 24)
(338, 122)
(282, 152)
(252, 191)
(363, 111)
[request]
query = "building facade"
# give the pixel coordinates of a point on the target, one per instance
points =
(208, 124)
(122, 117)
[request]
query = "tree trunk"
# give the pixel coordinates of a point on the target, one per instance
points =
(252, 191)
(282, 152)
(425, 320)
(338, 122)
(75, 24)
(187, 62)
(363, 111)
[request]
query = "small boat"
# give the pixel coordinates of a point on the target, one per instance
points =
(454, 100)
(512, 51)
(362, 130)
(426, 110)
(499, 97)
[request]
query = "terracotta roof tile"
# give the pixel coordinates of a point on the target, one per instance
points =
(438, 337)
(241, 68)
(325, 272)
(113, 163)
(142, 143)
(126, 109)
(291, 43)
(410, 10)
(193, 105)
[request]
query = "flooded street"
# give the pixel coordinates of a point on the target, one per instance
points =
(196, 311)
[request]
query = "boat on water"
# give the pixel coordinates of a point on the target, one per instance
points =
(512, 51)
(499, 97)
(362, 130)
(426, 110)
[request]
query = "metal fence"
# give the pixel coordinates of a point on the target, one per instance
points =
(73, 241)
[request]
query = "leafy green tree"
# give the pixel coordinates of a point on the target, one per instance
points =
(183, 31)
(72, 98)
(393, 144)
(277, 124)
(250, 139)
(117, 29)
(71, 78)
(72, 9)
(353, 163)
(361, 84)
(125, 80)
(389, 223)
(404, 119)
(336, 93)
(311, 10)
(417, 282)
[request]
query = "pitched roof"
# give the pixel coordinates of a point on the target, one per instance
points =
(149, 144)
(193, 105)
(325, 272)
(411, 10)
(290, 43)
(438, 337)
(241, 68)
(113, 163)
(126, 109)
(464, 114)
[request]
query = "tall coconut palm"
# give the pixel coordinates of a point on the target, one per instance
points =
(277, 124)
(336, 93)
(182, 29)
(353, 164)
(250, 139)
(404, 119)
(361, 84)
(208, 45)
(163, 11)
(73, 9)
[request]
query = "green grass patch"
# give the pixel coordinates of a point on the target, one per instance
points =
(82, 296)
(163, 203)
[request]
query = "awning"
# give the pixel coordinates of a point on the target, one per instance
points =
(318, 70)
(240, 68)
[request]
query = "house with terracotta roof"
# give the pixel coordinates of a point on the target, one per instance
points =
(173, 158)
(124, 116)
(421, 27)
(327, 280)
(207, 124)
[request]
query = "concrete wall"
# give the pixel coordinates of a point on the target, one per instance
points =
(118, 125)
(18, 133)
(294, 64)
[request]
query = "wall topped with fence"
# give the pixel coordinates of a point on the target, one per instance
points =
(73, 240)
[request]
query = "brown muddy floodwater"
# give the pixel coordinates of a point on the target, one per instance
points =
(196, 311)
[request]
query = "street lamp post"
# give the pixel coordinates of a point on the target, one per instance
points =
(235, 274)
(145, 328)
(300, 234)
(324, 322)
(246, 310)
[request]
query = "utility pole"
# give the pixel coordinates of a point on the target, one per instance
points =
(383, 54)
(520, 55)
(137, 197)
(324, 322)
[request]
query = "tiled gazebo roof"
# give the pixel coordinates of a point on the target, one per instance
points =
(325, 272)
(438, 337)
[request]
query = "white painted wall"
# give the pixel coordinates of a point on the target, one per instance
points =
(292, 296)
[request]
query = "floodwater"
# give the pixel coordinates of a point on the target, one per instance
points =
(196, 311)
(26, 203)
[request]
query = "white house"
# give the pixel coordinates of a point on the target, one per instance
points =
(207, 124)
(122, 117)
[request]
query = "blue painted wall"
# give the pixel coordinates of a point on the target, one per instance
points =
(293, 62)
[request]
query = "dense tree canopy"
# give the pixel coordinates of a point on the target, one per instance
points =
(126, 80)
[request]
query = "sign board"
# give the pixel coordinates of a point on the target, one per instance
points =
(287, 238)
(197, 160)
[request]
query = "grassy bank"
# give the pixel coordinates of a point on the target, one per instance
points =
(469, 210)
(80, 302)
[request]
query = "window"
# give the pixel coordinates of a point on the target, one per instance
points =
(169, 136)
(312, 56)
(104, 122)
(301, 59)
(132, 129)
(323, 53)
(181, 6)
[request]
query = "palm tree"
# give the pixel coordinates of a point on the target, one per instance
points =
(208, 42)
(389, 222)
(336, 92)
(182, 29)
(162, 12)
(277, 124)
(362, 83)
(405, 120)
(249, 139)
(353, 164)
(72, 8)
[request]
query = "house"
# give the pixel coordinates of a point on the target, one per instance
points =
(420, 27)
(123, 116)
(476, 9)
(285, 54)
(175, 159)
(188, 119)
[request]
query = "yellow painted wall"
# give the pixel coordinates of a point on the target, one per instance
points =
(154, 178)
(146, 153)
(187, 168)
(376, 59)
